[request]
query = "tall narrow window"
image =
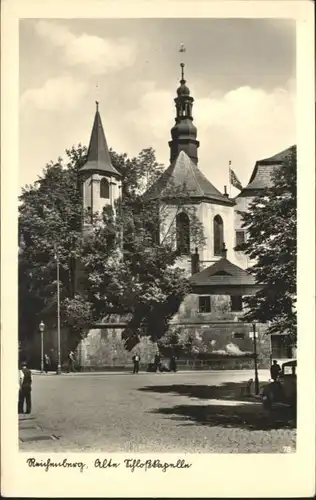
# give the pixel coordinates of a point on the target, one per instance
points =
(104, 189)
(218, 228)
(240, 237)
(183, 233)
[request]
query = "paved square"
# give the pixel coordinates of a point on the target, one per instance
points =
(197, 412)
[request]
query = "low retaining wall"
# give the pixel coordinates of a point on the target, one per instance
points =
(213, 364)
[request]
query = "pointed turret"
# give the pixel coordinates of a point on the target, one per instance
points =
(184, 132)
(100, 182)
(98, 157)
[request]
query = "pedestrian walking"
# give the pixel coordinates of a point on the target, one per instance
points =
(47, 363)
(25, 389)
(71, 362)
(157, 361)
(173, 364)
(136, 360)
(275, 370)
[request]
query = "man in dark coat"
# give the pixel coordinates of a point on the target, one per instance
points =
(25, 389)
(275, 370)
(157, 361)
(173, 364)
(136, 360)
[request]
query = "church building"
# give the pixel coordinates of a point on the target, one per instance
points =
(216, 269)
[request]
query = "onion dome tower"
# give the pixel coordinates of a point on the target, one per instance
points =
(184, 132)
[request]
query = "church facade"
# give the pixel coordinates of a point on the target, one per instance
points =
(216, 268)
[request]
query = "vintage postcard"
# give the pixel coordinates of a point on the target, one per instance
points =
(158, 241)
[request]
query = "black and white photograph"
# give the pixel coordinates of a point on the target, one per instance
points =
(157, 239)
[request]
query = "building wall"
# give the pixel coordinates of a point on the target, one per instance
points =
(242, 205)
(91, 192)
(205, 213)
(104, 348)
(218, 328)
(220, 339)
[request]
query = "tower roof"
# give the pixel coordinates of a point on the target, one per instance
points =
(98, 157)
(184, 132)
(262, 175)
(183, 178)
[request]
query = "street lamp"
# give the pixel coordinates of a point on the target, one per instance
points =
(255, 358)
(58, 372)
(41, 329)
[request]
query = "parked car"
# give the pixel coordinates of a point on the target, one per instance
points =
(282, 390)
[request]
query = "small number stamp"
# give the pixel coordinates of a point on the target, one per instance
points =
(287, 449)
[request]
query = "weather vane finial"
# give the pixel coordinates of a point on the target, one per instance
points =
(97, 90)
(182, 49)
(182, 72)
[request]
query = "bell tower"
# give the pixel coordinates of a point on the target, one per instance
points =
(100, 182)
(184, 132)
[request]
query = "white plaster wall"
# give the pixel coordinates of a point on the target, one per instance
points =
(93, 199)
(206, 214)
(86, 192)
(242, 205)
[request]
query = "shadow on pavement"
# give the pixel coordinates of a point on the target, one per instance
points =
(230, 390)
(239, 414)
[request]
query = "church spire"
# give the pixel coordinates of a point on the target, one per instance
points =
(98, 157)
(184, 132)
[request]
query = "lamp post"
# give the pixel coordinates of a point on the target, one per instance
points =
(41, 329)
(255, 358)
(58, 371)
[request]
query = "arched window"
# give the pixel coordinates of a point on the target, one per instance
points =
(104, 189)
(183, 233)
(218, 231)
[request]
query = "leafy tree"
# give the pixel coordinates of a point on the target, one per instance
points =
(140, 276)
(271, 242)
(120, 267)
(49, 215)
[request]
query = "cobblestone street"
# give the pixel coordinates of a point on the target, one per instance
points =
(183, 412)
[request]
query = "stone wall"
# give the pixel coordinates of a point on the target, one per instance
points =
(104, 348)
(219, 331)
(221, 339)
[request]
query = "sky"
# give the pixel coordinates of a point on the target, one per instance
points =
(241, 73)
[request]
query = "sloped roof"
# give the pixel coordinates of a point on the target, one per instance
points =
(184, 178)
(223, 272)
(261, 177)
(279, 157)
(98, 157)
